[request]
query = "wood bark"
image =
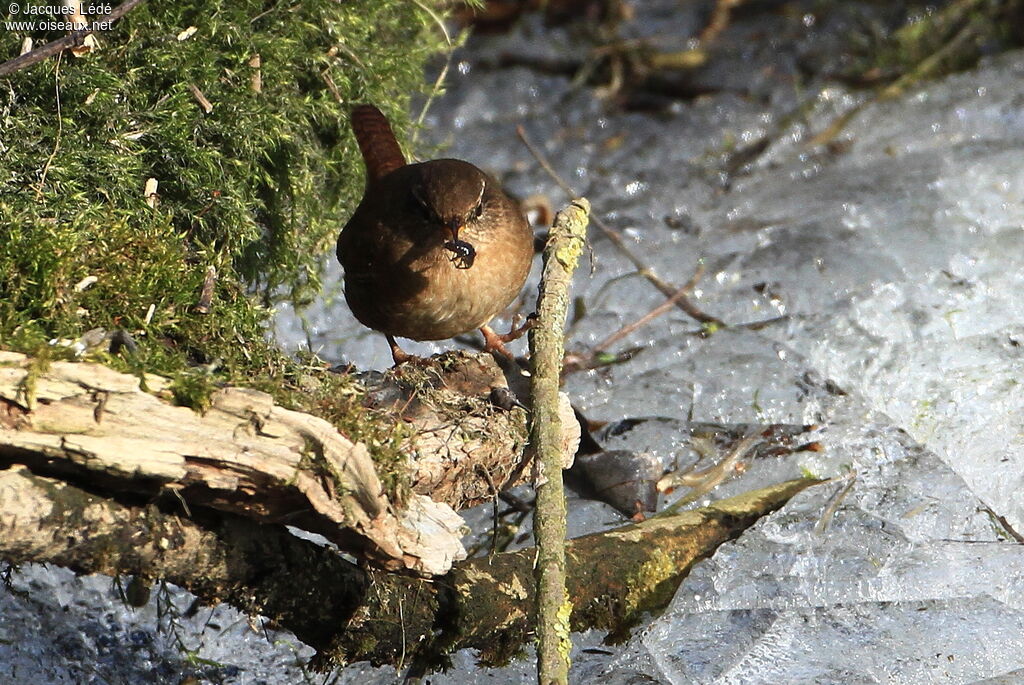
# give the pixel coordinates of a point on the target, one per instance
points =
(101, 476)
(245, 455)
(547, 347)
(351, 614)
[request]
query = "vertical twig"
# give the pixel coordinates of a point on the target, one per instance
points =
(547, 346)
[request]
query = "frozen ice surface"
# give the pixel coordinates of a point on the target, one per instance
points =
(896, 259)
(897, 263)
(898, 588)
(57, 628)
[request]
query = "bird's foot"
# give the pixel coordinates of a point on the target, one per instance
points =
(493, 342)
(401, 356)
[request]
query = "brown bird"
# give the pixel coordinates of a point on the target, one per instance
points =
(434, 249)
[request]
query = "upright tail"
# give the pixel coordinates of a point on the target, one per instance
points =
(376, 141)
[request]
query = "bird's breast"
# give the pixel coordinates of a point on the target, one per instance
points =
(401, 279)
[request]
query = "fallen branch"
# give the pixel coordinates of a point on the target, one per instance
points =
(349, 614)
(72, 40)
(247, 456)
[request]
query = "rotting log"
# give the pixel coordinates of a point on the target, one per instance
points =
(351, 614)
(95, 427)
(100, 476)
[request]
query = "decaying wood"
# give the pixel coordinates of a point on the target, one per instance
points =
(102, 477)
(310, 589)
(351, 614)
(461, 446)
(489, 604)
(249, 457)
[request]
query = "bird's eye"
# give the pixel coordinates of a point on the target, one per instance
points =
(479, 211)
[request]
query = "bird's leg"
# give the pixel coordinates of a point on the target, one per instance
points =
(397, 353)
(496, 343)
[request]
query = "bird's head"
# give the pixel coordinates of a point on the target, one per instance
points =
(449, 193)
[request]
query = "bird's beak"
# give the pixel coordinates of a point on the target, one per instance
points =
(452, 228)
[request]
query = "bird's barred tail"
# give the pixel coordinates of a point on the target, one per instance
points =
(377, 142)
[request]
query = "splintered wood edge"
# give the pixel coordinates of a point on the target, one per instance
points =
(245, 455)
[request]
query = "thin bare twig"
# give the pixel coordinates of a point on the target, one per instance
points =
(704, 481)
(201, 98)
(60, 130)
(849, 480)
(651, 315)
(667, 289)
(72, 40)
(1007, 528)
(593, 358)
(436, 88)
(495, 516)
(720, 18)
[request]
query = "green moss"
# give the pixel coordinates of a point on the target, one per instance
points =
(256, 188)
(266, 176)
(943, 39)
(339, 399)
(193, 389)
(652, 585)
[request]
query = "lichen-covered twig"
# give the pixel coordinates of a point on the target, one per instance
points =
(547, 346)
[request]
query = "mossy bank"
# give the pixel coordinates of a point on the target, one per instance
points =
(238, 112)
